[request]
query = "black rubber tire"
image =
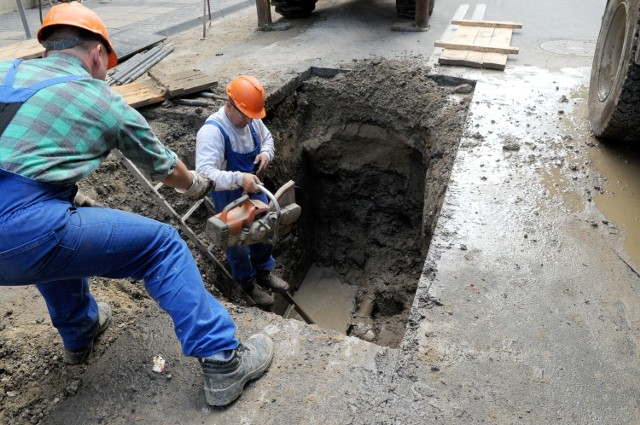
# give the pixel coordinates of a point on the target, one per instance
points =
(292, 9)
(614, 89)
(407, 8)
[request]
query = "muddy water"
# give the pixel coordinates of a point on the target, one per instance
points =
(326, 300)
(609, 173)
(548, 109)
(619, 198)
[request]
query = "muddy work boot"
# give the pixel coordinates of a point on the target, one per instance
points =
(267, 280)
(225, 380)
(262, 298)
(73, 357)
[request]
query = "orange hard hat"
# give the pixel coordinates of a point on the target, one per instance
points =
(77, 15)
(248, 95)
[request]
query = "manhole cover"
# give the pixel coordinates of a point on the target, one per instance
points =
(570, 47)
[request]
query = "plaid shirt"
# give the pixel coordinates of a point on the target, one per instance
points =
(63, 132)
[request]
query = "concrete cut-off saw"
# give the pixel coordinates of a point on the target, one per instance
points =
(248, 221)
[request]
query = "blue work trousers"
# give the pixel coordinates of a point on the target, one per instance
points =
(50, 243)
(246, 260)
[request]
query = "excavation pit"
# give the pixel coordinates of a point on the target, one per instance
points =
(371, 150)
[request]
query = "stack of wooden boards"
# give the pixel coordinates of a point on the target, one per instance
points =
(479, 44)
(161, 87)
(142, 92)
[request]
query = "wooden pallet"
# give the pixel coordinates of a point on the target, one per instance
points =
(479, 44)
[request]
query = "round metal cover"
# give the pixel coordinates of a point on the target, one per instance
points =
(570, 47)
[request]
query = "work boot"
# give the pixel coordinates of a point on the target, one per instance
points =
(265, 279)
(73, 357)
(263, 299)
(225, 380)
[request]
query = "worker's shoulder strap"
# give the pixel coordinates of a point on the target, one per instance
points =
(11, 99)
(9, 94)
(222, 130)
(225, 135)
(254, 134)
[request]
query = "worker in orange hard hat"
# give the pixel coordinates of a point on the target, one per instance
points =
(58, 123)
(234, 148)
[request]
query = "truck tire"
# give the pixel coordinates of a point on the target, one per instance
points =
(614, 89)
(295, 8)
(407, 8)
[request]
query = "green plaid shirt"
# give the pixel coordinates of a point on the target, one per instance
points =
(63, 132)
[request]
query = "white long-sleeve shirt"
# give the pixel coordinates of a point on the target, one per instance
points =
(210, 159)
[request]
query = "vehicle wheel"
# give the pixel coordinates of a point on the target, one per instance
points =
(614, 89)
(295, 8)
(407, 8)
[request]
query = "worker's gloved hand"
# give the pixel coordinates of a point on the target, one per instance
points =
(200, 187)
(82, 200)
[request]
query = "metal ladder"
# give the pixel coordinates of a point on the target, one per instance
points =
(231, 287)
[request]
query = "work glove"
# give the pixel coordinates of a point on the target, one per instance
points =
(82, 200)
(200, 187)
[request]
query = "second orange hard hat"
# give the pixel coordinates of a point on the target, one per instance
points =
(248, 95)
(77, 15)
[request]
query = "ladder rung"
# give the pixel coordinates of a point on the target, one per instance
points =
(195, 206)
(158, 186)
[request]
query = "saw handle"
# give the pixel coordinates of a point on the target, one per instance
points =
(275, 202)
(236, 203)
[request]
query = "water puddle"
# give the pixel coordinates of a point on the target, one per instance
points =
(617, 168)
(325, 299)
(619, 198)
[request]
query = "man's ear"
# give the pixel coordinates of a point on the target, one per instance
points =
(96, 53)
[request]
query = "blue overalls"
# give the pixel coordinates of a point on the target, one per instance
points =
(45, 240)
(243, 260)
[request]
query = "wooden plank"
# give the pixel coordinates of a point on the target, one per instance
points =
(184, 83)
(466, 35)
(27, 49)
(501, 36)
(453, 57)
(159, 87)
(476, 58)
(459, 57)
(465, 46)
(141, 93)
(492, 24)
